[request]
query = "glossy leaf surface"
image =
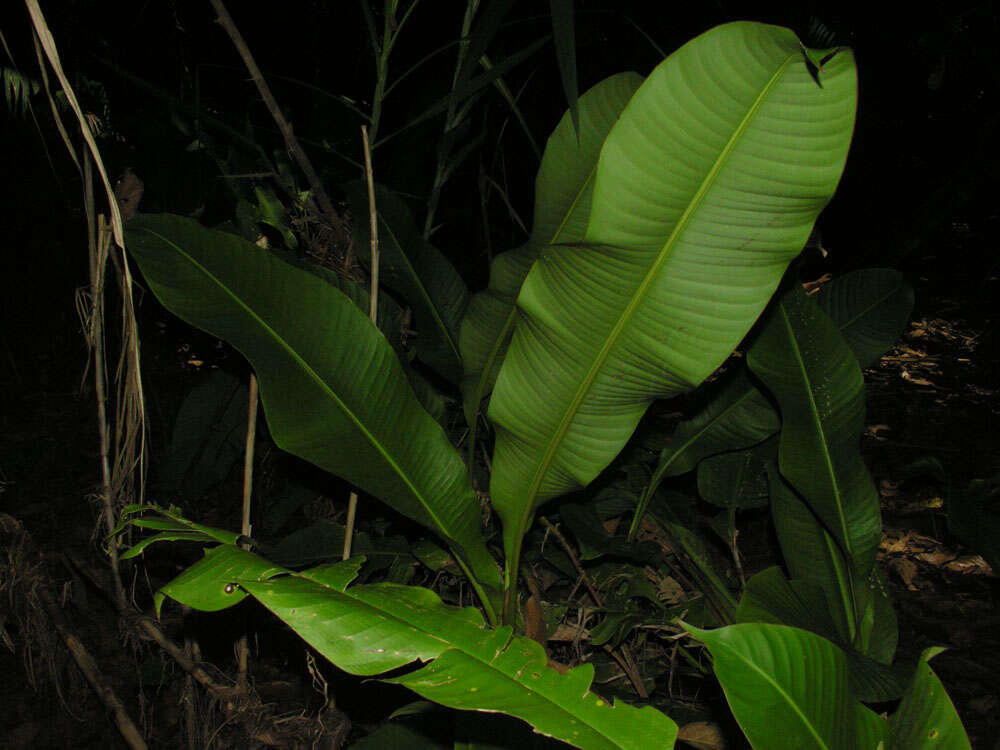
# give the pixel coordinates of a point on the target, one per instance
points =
(563, 190)
(332, 388)
(706, 188)
(789, 688)
(371, 629)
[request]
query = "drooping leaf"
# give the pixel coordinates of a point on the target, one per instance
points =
(417, 271)
(871, 307)
(209, 584)
(926, 717)
(173, 525)
(563, 190)
(702, 196)
(737, 416)
(789, 688)
(332, 388)
(370, 629)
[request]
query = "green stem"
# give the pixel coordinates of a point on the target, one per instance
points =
(511, 568)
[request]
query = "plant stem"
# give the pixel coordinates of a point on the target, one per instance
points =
(99, 241)
(352, 503)
(242, 649)
(291, 142)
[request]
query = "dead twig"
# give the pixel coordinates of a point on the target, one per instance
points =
(291, 142)
(242, 649)
(623, 659)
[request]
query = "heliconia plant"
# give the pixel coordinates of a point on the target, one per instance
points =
(667, 212)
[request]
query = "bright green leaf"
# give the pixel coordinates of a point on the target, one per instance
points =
(789, 688)
(706, 188)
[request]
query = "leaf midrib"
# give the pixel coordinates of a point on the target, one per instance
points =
(310, 372)
(460, 648)
(817, 420)
(424, 293)
(612, 338)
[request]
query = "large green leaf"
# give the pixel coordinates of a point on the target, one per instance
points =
(771, 598)
(563, 190)
(371, 629)
(804, 361)
(811, 553)
(926, 717)
(789, 688)
(417, 271)
(706, 188)
(332, 388)
(871, 307)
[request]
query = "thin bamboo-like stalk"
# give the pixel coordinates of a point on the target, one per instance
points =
(352, 502)
(291, 142)
(242, 647)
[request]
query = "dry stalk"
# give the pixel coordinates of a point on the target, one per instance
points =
(291, 142)
(242, 649)
(27, 583)
(352, 502)
(130, 417)
(624, 659)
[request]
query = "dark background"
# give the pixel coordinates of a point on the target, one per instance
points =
(918, 190)
(919, 193)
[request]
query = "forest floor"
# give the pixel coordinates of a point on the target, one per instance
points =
(932, 427)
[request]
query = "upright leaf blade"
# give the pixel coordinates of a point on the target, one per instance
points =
(333, 390)
(563, 190)
(418, 272)
(564, 36)
(805, 363)
(706, 188)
